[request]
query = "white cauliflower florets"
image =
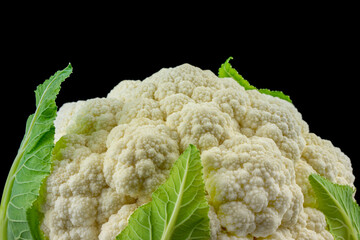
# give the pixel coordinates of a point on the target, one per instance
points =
(257, 153)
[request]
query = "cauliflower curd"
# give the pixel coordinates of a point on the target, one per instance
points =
(112, 153)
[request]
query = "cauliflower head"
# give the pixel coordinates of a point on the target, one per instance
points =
(111, 153)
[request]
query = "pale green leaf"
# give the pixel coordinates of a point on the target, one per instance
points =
(341, 211)
(32, 164)
(178, 209)
(226, 70)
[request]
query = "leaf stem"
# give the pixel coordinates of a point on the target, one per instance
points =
(6, 197)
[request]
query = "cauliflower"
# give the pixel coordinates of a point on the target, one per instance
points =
(257, 153)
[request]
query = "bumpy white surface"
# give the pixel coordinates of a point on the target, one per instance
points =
(256, 150)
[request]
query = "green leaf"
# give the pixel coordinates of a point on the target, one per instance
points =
(341, 211)
(32, 164)
(178, 209)
(226, 70)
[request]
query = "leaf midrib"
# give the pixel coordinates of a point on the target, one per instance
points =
(169, 227)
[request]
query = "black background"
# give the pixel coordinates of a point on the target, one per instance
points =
(309, 54)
